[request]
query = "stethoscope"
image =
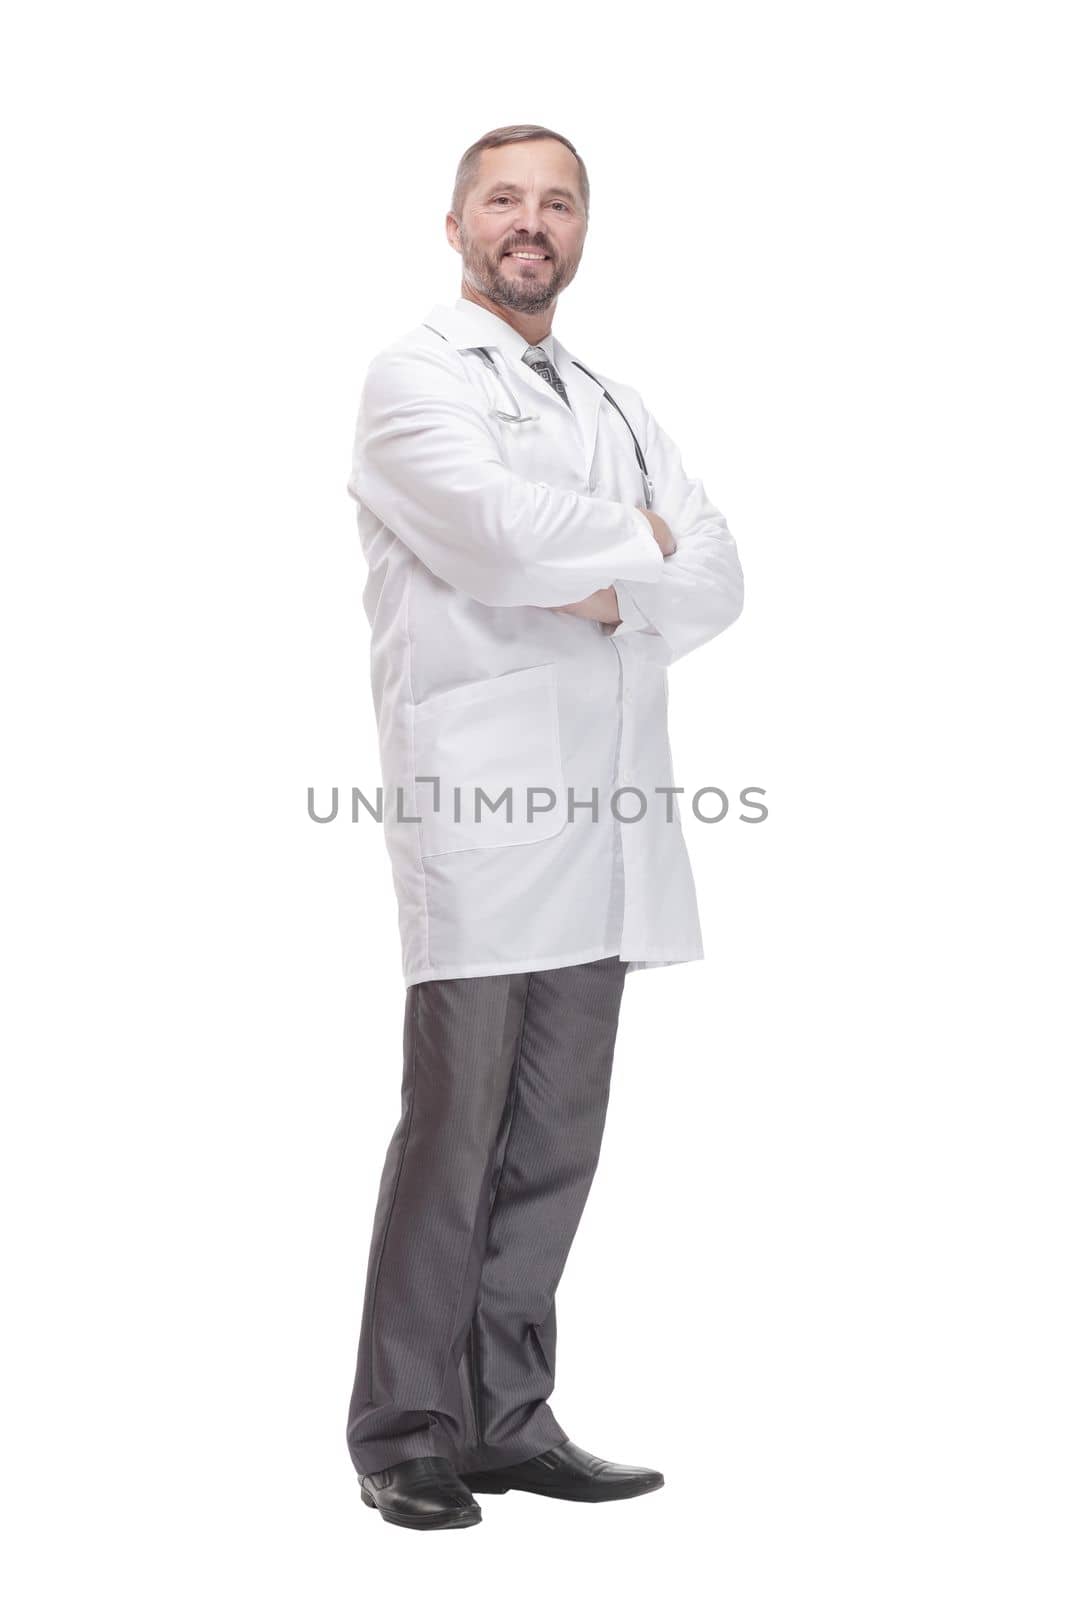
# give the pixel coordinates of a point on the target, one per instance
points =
(517, 414)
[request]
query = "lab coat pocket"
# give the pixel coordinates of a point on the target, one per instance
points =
(499, 736)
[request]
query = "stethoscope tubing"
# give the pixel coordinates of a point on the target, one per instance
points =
(517, 415)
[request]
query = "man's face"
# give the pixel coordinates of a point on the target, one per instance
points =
(526, 198)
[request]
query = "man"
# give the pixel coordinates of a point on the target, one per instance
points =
(537, 558)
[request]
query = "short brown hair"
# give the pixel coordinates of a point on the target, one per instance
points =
(469, 162)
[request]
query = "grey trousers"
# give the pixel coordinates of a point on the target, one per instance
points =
(503, 1103)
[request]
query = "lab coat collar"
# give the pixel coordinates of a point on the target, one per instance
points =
(467, 325)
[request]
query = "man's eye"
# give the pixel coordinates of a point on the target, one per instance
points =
(562, 203)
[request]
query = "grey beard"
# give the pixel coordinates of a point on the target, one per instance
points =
(518, 298)
(512, 293)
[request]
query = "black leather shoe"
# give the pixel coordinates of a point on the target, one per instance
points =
(421, 1493)
(567, 1472)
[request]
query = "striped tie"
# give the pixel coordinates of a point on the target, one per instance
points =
(535, 357)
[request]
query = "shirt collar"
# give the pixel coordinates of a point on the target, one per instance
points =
(467, 324)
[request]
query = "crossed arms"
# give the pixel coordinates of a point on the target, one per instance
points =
(427, 465)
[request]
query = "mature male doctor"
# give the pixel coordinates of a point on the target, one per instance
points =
(537, 558)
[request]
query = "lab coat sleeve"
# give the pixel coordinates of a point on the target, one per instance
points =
(427, 465)
(631, 617)
(700, 588)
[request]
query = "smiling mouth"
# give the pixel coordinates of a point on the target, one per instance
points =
(527, 255)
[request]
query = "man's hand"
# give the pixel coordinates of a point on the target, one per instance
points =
(602, 606)
(660, 532)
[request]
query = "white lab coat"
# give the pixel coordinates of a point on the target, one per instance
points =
(472, 527)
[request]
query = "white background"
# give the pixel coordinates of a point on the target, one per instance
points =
(819, 1281)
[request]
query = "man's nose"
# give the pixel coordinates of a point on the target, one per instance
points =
(528, 219)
